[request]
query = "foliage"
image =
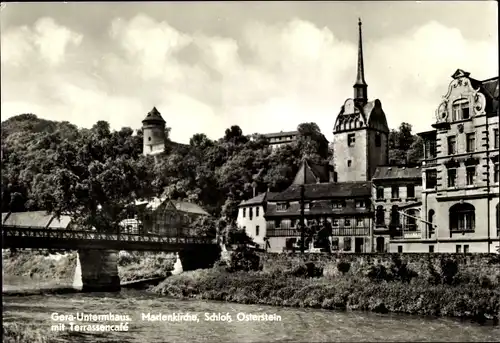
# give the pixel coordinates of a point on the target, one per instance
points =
(404, 147)
(467, 301)
(343, 267)
(243, 259)
(449, 269)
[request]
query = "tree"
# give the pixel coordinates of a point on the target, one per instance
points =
(96, 178)
(404, 147)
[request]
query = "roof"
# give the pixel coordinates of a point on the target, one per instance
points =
(281, 134)
(369, 115)
(315, 173)
(320, 207)
(325, 191)
(397, 172)
(183, 206)
(257, 200)
(40, 219)
(490, 89)
(154, 117)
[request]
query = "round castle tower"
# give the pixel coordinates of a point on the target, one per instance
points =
(153, 127)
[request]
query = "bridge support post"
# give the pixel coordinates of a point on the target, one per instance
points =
(99, 271)
(202, 257)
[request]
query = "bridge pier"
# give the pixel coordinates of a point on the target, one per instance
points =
(97, 271)
(199, 257)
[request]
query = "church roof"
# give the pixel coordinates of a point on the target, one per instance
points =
(360, 115)
(154, 116)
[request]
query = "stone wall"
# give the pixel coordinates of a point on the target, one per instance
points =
(477, 264)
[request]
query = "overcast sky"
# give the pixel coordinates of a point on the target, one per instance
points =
(264, 66)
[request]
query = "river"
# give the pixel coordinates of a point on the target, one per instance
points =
(303, 325)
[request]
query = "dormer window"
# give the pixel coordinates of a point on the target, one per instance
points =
(338, 204)
(460, 110)
(360, 204)
(282, 206)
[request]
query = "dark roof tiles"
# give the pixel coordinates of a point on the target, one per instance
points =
(397, 172)
(325, 191)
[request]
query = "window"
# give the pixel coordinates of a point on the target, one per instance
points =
(498, 218)
(466, 249)
(431, 248)
(410, 191)
(471, 142)
(257, 211)
(347, 222)
(400, 249)
(378, 140)
(430, 219)
(351, 139)
(460, 110)
(244, 212)
(338, 204)
(395, 216)
(335, 222)
(307, 206)
(458, 248)
(430, 179)
(471, 175)
(379, 216)
(359, 222)
(335, 243)
(257, 230)
(495, 139)
(430, 149)
(293, 222)
(250, 213)
(462, 217)
(380, 193)
(277, 223)
(349, 163)
(347, 243)
(360, 204)
(452, 177)
(452, 145)
(395, 192)
(335, 176)
(411, 220)
(496, 170)
(283, 206)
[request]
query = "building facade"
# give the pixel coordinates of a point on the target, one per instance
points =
(460, 190)
(281, 138)
(396, 198)
(251, 217)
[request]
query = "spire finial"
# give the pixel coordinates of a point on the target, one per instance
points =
(360, 87)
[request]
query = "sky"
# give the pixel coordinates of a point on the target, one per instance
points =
(266, 67)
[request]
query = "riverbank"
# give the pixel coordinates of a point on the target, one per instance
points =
(346, 292)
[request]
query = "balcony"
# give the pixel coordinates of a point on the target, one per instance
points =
(350, 231)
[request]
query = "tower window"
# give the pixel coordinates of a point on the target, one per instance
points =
(349, 163)
(351, 139)
(149, 138)
(378, 140)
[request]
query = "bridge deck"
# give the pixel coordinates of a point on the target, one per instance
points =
(29, 237)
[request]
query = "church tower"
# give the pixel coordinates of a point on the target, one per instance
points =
(153, 127)
(360, 134)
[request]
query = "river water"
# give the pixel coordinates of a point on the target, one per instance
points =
(303, 325)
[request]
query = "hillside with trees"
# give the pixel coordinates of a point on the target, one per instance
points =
(95, 174)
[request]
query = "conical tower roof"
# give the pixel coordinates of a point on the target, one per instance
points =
(154, 116)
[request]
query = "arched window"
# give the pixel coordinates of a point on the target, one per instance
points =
(460, 110)
(462, 217)
(379, 216)
(430, 219)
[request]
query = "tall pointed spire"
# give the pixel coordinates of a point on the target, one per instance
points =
(360, 87)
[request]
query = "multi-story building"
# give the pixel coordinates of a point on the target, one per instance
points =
(396, 198)
(344, 208)
(281, 138)
(460, 172)
(251, 217)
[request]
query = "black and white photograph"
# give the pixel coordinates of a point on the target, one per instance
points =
(259, 171)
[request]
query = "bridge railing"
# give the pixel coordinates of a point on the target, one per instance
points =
(30, 232)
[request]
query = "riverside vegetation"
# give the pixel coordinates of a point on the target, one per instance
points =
(439, 289)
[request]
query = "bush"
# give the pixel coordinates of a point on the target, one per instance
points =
(343, 267)
(449, 269)
(244, 259)
(400, 270)
(307, 270)
(377, 273)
